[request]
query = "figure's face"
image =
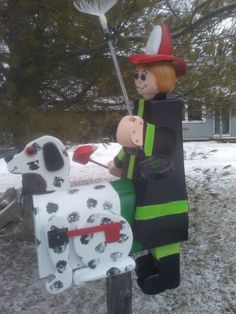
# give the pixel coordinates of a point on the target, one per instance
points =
(145, 83)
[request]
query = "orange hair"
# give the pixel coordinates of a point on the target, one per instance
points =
(164, 73)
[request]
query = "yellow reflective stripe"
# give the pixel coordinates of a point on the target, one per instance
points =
(131, 167)
(166, 209)
(141, 107)
(149, 139)
(132, 157)
(166, 250)
(121, 154)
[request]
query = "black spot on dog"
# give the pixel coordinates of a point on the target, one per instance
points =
(92, 218)
(36, 146)
(57, 285)
(85, 239)
(105, 221)
(91, 203)
(52, 207)
(100, 248)
(113, 271)
(73, 217)
(58, 182)
(33, 165)
(93, 263)
(115, 256)
(107, 206)
(123, 238)
(61, 266)
(73, 191)
(60, 248)
(99, 187)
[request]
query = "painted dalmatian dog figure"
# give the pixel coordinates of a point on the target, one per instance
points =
(47, 157)
(80, 234)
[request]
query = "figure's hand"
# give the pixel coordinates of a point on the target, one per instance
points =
(130, 132)
(115, 171)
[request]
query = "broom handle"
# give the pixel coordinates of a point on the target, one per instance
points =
(120, 78)
(103, 22)
(98, 163)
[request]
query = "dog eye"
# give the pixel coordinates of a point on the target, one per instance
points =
(30, 151)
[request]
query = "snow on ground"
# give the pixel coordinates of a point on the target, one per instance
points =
(208, 259)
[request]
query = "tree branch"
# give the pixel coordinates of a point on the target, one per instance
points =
(68, 101)
(211, 14)
(172, 10)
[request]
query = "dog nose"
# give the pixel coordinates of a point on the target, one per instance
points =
(8, 158)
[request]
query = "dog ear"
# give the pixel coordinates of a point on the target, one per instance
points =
(52, 157)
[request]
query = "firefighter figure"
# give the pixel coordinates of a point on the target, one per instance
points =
(152, 157)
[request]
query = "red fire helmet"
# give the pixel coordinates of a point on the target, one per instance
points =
(159, 48)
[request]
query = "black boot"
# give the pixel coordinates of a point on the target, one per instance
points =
(155, 276)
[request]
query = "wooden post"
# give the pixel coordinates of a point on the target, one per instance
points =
(9, 213)
(31, 184)
(119, 294)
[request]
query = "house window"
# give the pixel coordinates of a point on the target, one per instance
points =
(194, 113)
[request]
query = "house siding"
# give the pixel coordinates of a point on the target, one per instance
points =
(233, 126)
(198, 130)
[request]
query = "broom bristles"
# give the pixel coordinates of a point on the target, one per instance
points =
(94, 7)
